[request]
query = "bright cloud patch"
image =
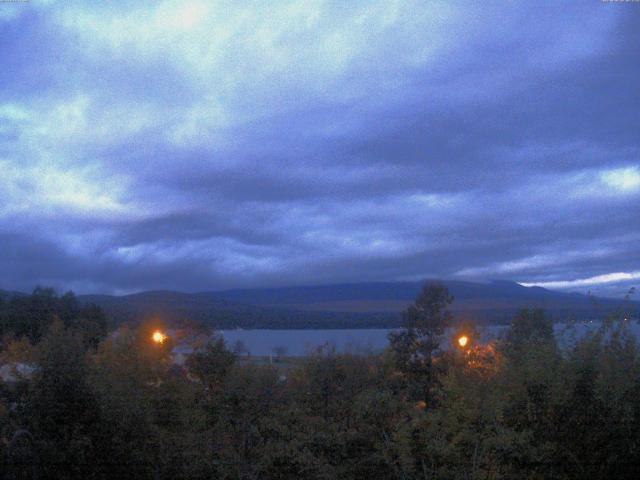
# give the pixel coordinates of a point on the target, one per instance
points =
(623, 179)
(43, 189)
(588, 282)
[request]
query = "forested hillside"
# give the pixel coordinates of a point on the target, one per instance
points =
(120, 407)
(357, 305)
(221, 313)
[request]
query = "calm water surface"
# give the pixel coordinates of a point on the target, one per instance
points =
(301, 342)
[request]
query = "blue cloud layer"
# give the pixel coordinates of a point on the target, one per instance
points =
(201, 145)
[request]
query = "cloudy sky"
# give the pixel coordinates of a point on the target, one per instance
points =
(200, 146)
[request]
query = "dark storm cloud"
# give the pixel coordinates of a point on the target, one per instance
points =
(197, 146)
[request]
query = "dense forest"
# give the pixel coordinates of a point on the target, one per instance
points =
(100, 405)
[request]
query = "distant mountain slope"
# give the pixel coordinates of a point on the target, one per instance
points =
(395, 296)
(222, 313)
(9, 294)
(494, 300)
(356, 305)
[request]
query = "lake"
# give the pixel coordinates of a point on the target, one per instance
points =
(300, 342)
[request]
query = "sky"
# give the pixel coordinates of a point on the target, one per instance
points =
(199, 146)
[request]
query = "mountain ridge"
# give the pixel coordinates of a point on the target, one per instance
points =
(344, 305)
(463, 292)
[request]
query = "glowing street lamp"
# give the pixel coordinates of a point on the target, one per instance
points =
(158, 337)
(463, 341)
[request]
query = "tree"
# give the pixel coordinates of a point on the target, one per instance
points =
(244, 420)
(31, 316)
(529, 327)
(122, 378)
(240, 349)
(211, 365)
(533, 385)
(62, 409)
(91, 322)
(415, 346)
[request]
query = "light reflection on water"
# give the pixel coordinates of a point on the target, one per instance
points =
(300, 342)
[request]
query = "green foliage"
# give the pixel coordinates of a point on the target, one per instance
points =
(62, 410)
(519, 408)
(416, 346)
(527, 328)
(211, 365)
(31, 316)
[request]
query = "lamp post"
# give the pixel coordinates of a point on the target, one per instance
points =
(158, 337)
(463, 341)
